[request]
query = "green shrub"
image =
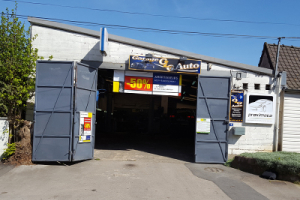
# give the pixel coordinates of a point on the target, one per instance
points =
(228, 163)
(9, 151)
(282, 162)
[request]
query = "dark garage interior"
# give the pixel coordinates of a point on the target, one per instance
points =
(162, 125)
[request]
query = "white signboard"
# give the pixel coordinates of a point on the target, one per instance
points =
(166, 88)
(85, 127)
(260, 109)
(203, 125)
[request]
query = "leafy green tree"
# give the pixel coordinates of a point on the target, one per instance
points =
(17, 67)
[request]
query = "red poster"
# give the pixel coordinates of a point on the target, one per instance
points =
(138, 83)
(87, 124)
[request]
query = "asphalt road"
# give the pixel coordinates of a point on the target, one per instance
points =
(134, 174)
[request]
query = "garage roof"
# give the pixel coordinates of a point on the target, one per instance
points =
(124, 40)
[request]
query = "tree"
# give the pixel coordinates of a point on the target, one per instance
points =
(17, 67)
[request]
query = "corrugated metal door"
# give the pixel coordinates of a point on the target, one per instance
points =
(85, 100)
(291, 123)
(52, 139)
(213, 103)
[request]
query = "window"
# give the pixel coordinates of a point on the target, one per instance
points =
(268, 87)
(245, 86)
(257, 86)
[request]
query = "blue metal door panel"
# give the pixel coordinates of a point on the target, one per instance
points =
(52, 138)
(85, 100)
(213, 103)
(50, 96)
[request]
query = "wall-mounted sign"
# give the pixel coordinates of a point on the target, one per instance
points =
(147, 83)
(164, 64)
(237, 105)
(203, 125)
(165, 84)
(103, 40)
(260, 109)
(85, 127)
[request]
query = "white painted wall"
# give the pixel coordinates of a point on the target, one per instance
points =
(4, 134)
(257, 137)
(69, 46)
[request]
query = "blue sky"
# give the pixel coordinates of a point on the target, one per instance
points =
(241, 50)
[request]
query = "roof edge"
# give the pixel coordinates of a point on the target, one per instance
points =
(148, 45)
(264, 49)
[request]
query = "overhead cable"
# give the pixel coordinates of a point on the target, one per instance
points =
(153, 15)
(227, 35)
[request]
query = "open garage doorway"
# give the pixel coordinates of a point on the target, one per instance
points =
(146, 125)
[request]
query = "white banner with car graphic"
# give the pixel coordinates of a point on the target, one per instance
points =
(260, 109)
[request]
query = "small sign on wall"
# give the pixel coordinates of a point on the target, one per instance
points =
(236, 105)
(260, 108)
(85, 127)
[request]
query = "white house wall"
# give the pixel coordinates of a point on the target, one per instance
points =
(64, 45)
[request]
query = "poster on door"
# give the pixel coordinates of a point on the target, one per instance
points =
(260, 109)
(236, 106)
(203, 125)
(85, 129)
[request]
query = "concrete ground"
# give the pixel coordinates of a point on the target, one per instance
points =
(133, 174)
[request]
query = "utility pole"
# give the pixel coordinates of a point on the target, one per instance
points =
(277, 138)
(277, 56)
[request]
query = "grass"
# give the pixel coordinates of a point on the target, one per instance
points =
(281, 162)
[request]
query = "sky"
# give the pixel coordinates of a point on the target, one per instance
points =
(271, 18)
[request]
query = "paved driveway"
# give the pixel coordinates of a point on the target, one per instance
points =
(135, 174)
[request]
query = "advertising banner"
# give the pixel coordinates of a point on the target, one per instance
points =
(260, 109)
(85, 128)
(158, 64)
(147, 83)
(166, 83)
(237, 105)
(138, 83)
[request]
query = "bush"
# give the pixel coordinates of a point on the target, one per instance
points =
(11, 149)
(228, 163)
(281, 162)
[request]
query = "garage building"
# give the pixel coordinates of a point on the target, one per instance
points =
(203, 108)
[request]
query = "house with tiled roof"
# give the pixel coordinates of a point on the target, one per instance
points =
(289, 62)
